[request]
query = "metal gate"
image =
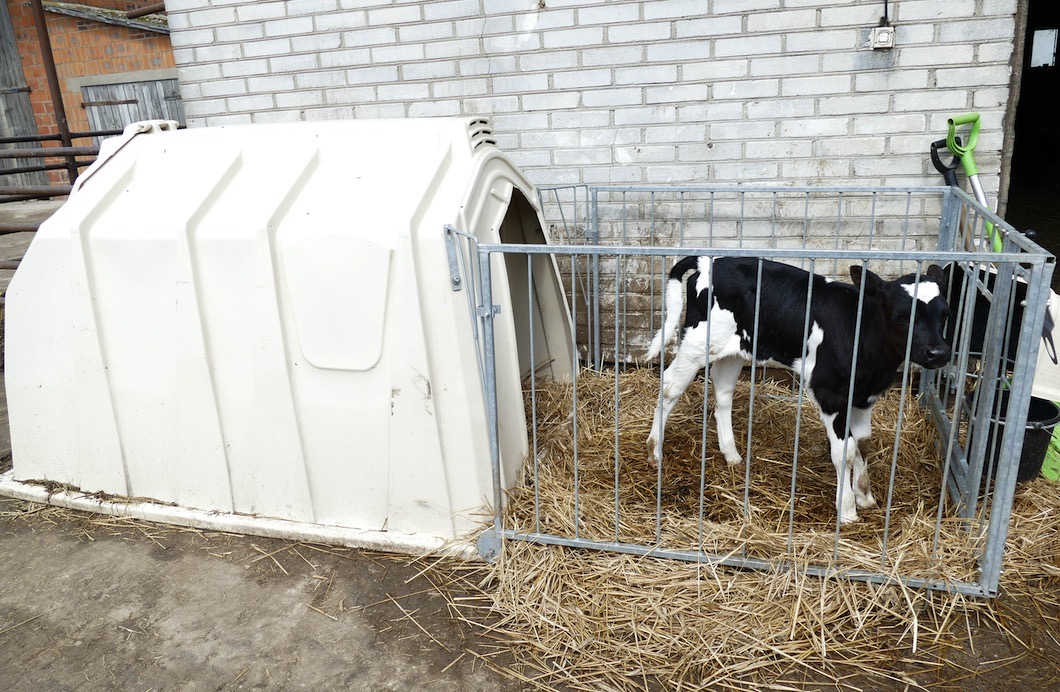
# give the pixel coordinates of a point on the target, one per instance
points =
(944, 529)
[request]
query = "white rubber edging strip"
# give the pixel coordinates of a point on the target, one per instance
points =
(409, 544)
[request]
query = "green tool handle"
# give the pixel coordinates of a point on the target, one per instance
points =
(965, 151)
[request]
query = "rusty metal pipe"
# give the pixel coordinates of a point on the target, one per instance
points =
(53, 84)
(81, 163)
(148, 9)
(55, 138)
(48, 152)
(36, 190)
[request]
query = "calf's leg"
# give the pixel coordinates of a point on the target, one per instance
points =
(675, 380)
(724, 373)
(861, 431)
(844, 450)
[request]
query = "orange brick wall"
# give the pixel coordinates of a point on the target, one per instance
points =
(82, 47)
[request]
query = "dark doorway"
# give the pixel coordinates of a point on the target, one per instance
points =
(1033, 199)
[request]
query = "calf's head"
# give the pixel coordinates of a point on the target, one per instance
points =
(908, 303)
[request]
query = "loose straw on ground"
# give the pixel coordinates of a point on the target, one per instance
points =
(597, 620)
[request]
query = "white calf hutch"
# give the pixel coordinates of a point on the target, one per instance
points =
(256, 328)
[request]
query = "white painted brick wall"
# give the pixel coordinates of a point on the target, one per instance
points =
(680, 91)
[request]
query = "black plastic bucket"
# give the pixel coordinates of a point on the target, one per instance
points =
(1042, 416)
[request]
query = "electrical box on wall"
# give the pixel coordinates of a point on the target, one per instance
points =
(882, 37)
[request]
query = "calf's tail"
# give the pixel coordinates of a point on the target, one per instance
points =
(673, 297)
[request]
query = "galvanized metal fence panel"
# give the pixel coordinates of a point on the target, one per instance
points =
(615, 246)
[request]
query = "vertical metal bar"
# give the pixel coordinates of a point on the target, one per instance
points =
(838, 232)
(751, 394)
(467, 268)
(681, 219)
(772, 244)
(625, 292)
(980, 224)
(706, 409)
(806, 220)
(1001, 512)
(898, 424)
(533, 395)
(798, 407)
(773, 224)
(595, 239)
(739, 224)
(990, 362)
(651, 201)
(48, 58)
(710, 224)
(574, 406)
(953, 476)
(872, 218)
(617, 407)
(905, 228)
(949, 220)
(490, 386)
(662, 428)
(567, 228)
(662, 262)
(1003, 383)
(841, 470)
(597, 358)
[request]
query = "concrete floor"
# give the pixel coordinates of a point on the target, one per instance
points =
(89, 602)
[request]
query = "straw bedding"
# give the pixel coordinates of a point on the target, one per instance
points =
(594, 620)
(914, 498)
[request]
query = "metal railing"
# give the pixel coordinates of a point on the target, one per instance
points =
(614, 246)
(70, 160)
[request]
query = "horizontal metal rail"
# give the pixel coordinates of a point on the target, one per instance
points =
(21, 139)
(47, 152)
(769, 253)
(36, 190)
(926, 190)
(44, 167)
(732, 560)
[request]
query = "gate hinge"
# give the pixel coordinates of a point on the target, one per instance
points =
(455, 281)
(483, 311)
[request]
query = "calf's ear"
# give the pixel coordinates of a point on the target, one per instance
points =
(873, 283)
(935, 273)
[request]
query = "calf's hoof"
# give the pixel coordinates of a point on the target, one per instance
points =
(867, 502)
(653, 453)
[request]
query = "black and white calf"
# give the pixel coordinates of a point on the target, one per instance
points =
(823, 353)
